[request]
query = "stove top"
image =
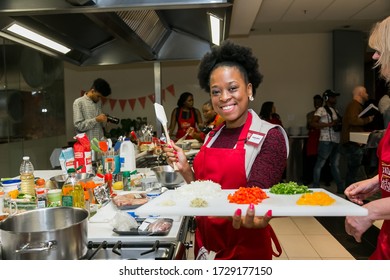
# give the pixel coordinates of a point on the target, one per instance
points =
(130, 251)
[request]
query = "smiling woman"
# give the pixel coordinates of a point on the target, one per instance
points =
(243, 152)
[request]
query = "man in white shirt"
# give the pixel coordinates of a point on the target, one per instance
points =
(87, 110)
(327, 119)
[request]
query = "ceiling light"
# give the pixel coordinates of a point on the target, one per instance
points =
(215, 28)
(31, 35)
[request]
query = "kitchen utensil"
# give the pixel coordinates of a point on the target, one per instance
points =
(167, 176)
(45, 234)
(162, 117)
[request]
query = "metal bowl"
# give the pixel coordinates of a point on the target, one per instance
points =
(56, 182)
(167, 176)
(186, 146)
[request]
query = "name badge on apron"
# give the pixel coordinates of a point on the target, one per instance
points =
(255, 138)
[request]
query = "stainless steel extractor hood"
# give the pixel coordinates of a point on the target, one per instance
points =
(107, 32)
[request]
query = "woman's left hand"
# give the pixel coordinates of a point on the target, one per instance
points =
(250, 220)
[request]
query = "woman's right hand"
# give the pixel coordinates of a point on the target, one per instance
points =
(175, 154)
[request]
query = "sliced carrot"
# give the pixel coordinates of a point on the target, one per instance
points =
(245, 195)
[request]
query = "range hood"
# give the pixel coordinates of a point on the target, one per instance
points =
(108, 32)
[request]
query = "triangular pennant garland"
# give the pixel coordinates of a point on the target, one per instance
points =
(112, 103)
(132, 103)
(151, 97)
(142, 101)
(171, 89)
(122, 103)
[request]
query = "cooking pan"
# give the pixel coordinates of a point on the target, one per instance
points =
(45, 234)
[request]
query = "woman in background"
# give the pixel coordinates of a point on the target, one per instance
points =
(378, 209)
(185, 116)
(268, 113)
(211, 120)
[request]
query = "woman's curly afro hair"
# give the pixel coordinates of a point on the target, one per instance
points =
(230, 54)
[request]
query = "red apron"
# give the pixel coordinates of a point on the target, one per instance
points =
(312, 142)
(227, 167)
(184, 124)
(382, 251)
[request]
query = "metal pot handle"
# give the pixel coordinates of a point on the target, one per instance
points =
(37, 247)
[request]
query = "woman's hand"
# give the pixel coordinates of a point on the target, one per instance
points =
(250, 220)
(175, 154)
(359, 191)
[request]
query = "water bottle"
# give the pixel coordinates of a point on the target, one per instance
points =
(27, 185)
(127, 156)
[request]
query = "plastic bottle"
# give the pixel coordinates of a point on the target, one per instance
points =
(127, 156)
(68, 188)
(27, 185)
(73, 191)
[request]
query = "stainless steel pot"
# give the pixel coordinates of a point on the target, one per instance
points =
(45, 234)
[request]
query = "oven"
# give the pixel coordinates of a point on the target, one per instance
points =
(142, 248)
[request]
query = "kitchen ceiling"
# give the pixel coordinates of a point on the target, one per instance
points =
(105, 32)
(305, 16)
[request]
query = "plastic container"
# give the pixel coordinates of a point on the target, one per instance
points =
(27, 185)
(127, 156)
(54, 197)
(73, 191)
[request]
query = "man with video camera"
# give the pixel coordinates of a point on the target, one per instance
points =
(87, 110)
(328, 120)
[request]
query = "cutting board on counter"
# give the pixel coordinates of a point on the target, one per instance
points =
(169, 203)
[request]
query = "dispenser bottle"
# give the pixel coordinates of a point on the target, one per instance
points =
(127, 156)
(27, 185)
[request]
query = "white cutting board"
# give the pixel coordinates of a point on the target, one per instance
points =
(281, 205)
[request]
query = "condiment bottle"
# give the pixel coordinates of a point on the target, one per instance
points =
(68, 188)
(41, 198)
(27, 185)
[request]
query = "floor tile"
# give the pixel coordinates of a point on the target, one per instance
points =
(284, 226)
(297, 246)
(328, 247)
(309, 225)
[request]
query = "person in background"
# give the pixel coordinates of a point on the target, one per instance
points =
(268, 113)
(230, 74)
(384, 108)
(311, 145)
(211, 120)
(87, 110)
(352, 123)
(185, 116)
(327, 119)
(378, 209)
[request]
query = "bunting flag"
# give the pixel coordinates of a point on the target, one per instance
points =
(171, 89)
(142, 101)
(122, 103)
(132, 103)
(104, 100)
(112, 103)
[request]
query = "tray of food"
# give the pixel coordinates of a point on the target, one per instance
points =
(129, 201)
(149, 226)
(206, 198)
